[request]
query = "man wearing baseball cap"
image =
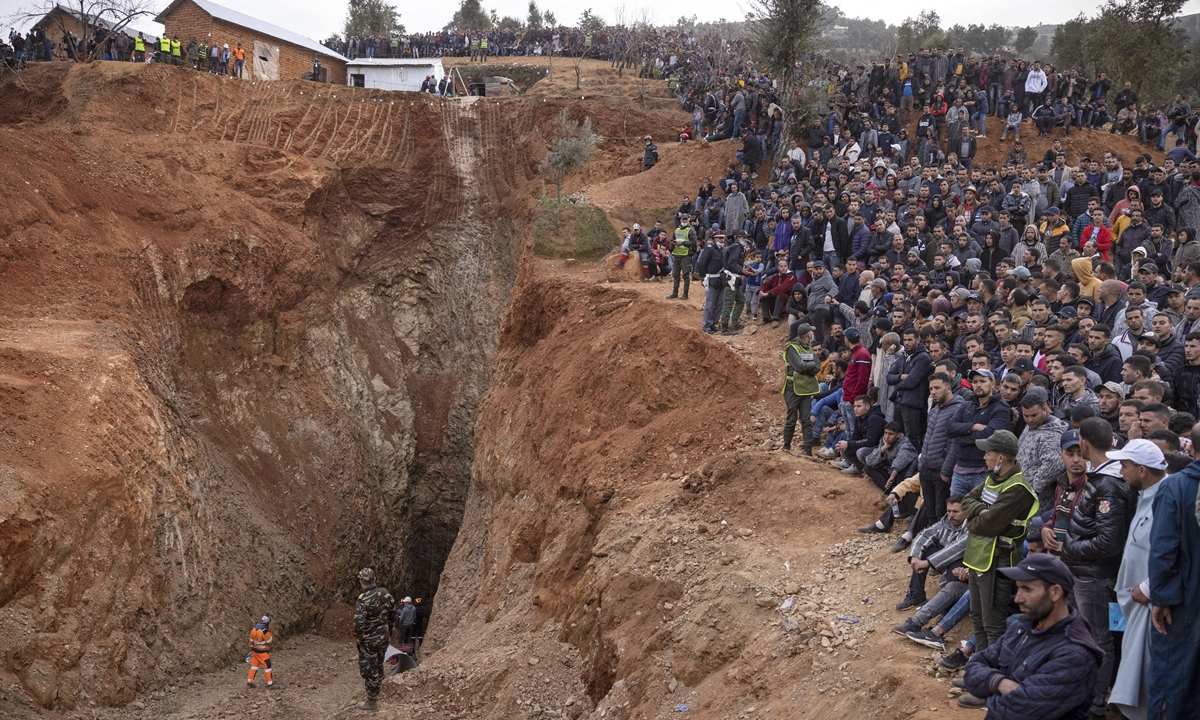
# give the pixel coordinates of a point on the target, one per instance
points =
(997, 512)
(1044, 665)
(1142, 467)
(801, 366)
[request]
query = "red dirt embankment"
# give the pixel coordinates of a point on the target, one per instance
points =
(233, 339)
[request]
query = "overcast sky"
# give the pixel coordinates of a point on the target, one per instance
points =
(319, 19)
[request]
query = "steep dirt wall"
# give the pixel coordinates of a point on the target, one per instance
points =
(244, 337)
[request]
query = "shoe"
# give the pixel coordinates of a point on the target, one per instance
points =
(672, 296)
(954, 660)
(958, 683)
(369, 705)
(906, 627)
(839, 464)
(968, 700)
(730, 331)
(738, 326)
(775, 324)
(806, 452)
(928, 638)
(711, 331)
(908, 603)
(684, 297)
(270, 684)
(900, 544)
(249, 684)
(826, 453)
(872, 528)
(851, 471)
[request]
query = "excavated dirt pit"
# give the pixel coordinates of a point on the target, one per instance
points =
(254, 338)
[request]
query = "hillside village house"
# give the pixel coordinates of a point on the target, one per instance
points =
(272, 53)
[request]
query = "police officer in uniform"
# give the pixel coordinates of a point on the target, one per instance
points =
(374, 619)
(799, 386)
(683, 246)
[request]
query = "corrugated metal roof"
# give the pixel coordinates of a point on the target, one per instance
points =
(390, 62)
(233, 16)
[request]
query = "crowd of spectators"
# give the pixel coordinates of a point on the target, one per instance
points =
(1009, 351)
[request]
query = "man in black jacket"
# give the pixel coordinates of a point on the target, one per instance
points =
(1186, 382)
(868, 430)
(831, 238)
(976, 421)
(910, 378)
(1095, 541)
(1106, 359)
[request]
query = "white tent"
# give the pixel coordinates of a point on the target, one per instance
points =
(393, 73)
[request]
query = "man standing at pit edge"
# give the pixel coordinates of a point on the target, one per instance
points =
(799, 386)
(374, 618)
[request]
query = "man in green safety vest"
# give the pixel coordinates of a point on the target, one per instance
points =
(176, 51)
(164, 49)
(799, 386)
(997, 513)
(139, 48)
(483, 48)
(202, 60)
(474, 48)
(683, 246)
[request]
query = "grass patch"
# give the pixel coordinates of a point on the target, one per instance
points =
(576, 230)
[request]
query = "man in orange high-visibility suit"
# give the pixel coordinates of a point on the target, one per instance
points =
(260, 651)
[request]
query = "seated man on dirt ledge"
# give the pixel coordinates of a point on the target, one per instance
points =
(1045, 665)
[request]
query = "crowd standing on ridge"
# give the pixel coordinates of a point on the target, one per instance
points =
(1008, 351)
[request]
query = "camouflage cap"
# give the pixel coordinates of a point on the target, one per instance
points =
(366, 575)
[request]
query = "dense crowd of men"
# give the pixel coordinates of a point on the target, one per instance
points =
(1009, 351)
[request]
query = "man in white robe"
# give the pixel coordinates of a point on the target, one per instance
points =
(1142, 466)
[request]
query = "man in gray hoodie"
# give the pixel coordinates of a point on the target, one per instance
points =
(822, 286)
(736, 210)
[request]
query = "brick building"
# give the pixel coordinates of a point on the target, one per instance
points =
(62, 18)
(272, 53)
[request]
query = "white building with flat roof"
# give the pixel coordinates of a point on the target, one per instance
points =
(393, 73)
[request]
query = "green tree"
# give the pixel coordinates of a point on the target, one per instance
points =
(1026, 37)
(571, 152)
(470, 16)
(508, 22)
(590, 21)
(782, 33)
(551, 21)
(923, 31)
(535, 16)
(372, 17)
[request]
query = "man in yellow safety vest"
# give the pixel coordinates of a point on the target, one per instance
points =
(139, 48)
(176, 51)
(164, 49)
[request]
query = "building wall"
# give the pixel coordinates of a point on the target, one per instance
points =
(387, 77)
(189, 20)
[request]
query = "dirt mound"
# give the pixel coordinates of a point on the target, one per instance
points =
(234, 315)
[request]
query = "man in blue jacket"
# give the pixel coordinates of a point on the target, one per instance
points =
(1174, 589)
(976, 421)
(1045, 664)
(910, 378)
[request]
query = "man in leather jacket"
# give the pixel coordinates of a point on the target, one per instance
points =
(1095, 541)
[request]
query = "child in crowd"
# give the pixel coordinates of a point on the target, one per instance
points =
(1013, 122)
(753, 272)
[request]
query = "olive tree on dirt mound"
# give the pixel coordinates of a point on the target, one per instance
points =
(571, 152)
(782, 33)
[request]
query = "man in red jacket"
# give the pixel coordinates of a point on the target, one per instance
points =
(1096, 232)
(774, 293)
(858, 376)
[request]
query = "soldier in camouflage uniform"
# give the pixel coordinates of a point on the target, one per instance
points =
(374, 617)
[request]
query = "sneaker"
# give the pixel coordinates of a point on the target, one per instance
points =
(826, 453)
(968, 700)
(954, 660)
(900, 544)
(909, 602)
(839, 464)
(928, 638)
(958, 683)
(907, 627)
(872, 528)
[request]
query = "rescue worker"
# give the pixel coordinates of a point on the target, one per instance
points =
(683, 246)
(139, 48)
(164, 49)
(260, 651)
(483, 48)
(176, 51)
(374, 619)
(202, 55)
(239, 60)
(420, 629)
(799, 386)
(193, 52)
(997, 511)
(406, 618)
